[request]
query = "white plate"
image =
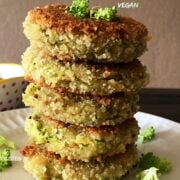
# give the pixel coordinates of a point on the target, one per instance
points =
(166, 143)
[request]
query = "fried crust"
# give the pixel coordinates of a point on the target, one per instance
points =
(83, 78)
(81, 110)
(102, 130)
(97, 67)
(57, 17)
(31, 150)
(43, 164)
(70, 141)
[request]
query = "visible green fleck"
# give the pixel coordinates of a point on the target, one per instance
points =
(148, 174)
(7, 143)
(105, 13)
(52, 139)
(41, 134)
(98, 141)
(80, 8)
(147, 135)
(150, 160)
(83, 145)
(4, 159)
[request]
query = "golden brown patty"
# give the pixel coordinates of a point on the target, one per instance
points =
(80, 143)
(70, 38)
(47, 165)
(83, 78)
(57, 17)
(81, 110)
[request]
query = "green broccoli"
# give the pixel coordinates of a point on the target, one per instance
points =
(4, 159)
(105, 13)
(147, 135)
(148, 174)
(7, 143)
(149, 160)
(80, 8)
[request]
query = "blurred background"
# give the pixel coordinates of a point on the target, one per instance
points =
(162, 18)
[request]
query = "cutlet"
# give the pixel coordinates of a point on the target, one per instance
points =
(43, 164)
(70, 38)
(83, 78)
(81, 110)
(80, 143)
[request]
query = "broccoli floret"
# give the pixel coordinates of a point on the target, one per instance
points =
(149, 160)
(148, 174)
(7, 143)
(147, 135)
(4, 159)
(5, 153)
(105, 13)
(80, 8)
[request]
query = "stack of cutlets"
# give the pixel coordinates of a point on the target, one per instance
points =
(84, 82)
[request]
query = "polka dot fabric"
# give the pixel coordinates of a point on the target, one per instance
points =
(11, 94)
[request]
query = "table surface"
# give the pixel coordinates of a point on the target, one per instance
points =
(161, 102)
